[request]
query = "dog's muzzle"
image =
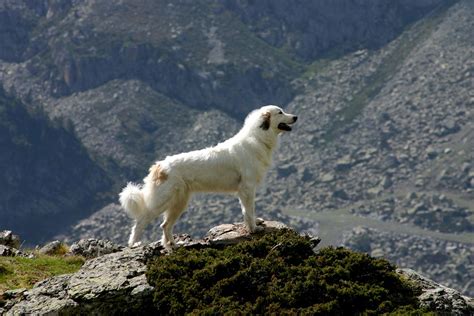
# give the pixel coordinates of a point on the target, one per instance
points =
(286, 126)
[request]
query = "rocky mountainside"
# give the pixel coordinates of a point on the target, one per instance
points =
(383, 89)
(40, 163)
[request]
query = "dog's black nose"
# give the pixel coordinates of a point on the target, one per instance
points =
(295, 118)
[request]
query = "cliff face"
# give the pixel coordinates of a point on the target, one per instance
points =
(383, 90)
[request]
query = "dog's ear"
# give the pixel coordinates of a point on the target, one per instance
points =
(265, 121)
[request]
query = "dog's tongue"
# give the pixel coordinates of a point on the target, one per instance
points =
(284, 127)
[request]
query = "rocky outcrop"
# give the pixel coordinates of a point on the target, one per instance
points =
(6, 251)
(438, 298)
(231, 234)
(116, 283)
(92, 248)
(113, 282)
(7, 238)
(10, 244)
(51, 248)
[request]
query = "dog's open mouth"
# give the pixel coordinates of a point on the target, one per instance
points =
(284, 127)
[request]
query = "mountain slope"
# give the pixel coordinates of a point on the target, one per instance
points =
(383, 91)
(47, 176)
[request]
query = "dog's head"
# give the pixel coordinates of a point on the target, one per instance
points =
(273, 118)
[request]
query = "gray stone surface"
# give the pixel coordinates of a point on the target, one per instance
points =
(6, 251)
(230, 234)
(438, 298)
(91, 248)
(7, 238)
(113, 283)
(51, 248)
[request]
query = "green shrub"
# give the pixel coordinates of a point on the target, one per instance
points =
(277, 273)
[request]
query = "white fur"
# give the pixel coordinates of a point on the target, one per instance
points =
(237, 165)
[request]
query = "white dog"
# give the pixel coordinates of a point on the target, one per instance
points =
(236, 165)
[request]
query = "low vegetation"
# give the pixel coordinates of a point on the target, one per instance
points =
(278, 274)
(20, 272)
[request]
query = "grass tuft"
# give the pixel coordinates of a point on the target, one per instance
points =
(19, 272)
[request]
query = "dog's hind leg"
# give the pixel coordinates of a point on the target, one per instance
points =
(171, 216)
(247, 202)
(137, 230)
(157, 204)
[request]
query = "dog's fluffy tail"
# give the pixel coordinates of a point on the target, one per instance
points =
(132, 200)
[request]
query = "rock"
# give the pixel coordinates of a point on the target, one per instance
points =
(9, 298)
(230, 234)
(466, 167)
(327, 177)
(285, 170)
(115, 283)
(438, 298)
(447, 127)
(314, 240)
(374, 192)
(91, 248)
(431, 152)
(411, 196)
(390, 161)
(419, 182)
(306, 175)
(6, 251)
(51, 248)
(340, 194)
(386, 182)
(7, 238)
(377, 253)
(384, 116)
(344, 163)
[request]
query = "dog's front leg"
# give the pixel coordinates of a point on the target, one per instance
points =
(247, 202)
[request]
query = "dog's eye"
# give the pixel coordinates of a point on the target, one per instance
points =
(280, 112)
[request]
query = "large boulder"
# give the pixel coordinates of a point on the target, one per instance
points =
(439, 298)
(92, 248)
(230, 234)
(7, 238)
(109, 284)
(52, 248)
(6, 251)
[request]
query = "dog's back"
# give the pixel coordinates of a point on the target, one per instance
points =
(236, 165)
(208, 170)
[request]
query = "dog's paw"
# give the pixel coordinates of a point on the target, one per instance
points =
(259, 221)
(256, 230)
(169, 246)
(137, 244)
